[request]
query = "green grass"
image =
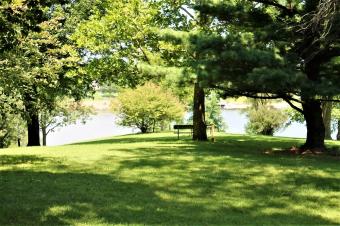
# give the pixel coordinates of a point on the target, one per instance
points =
(155, 179)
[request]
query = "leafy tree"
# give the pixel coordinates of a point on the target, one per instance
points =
(126, 48)
(176, 46)
(146, 106)
(65, 112)
(11, 123)
(214, 113)
(42, 67)
(274, 49)
(116, 38)
(265, 120)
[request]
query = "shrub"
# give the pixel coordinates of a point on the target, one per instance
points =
(265, 120)
(146, 106)
(214, 113)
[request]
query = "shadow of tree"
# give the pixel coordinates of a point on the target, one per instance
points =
(173, 183)
(44, 198)
(21, 159)
(137, 138)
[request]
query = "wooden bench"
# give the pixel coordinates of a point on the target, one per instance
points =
(183, 127)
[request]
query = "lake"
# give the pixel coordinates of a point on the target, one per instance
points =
(103, 125)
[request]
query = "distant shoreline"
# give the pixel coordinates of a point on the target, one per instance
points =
(103, 105)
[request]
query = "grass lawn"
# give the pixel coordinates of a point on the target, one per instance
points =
(155, 179)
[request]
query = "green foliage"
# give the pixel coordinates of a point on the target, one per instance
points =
(294, 116)
(213, 112)
(64, 113)
(44, 65)
(146, 106)
(265, 120)
(7, 129)
(11, 124)
(116, 38)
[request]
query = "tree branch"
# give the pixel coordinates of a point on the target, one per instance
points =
(290, 11)
(292, 105)
(188, 13)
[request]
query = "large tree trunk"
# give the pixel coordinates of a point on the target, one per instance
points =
(315, 128)
(200, 128)
(327, 117)
(33, 130)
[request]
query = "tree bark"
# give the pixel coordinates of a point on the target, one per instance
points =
(44, 135)
(33, 130)
(327, 116)
(143, 129)
(315, 128)
(199, 125)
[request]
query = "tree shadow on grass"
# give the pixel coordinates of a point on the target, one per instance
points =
(20, 159)
(42, 198)
(137, 138)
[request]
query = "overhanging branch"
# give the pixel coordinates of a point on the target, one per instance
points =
(289, 10)
(292, 105)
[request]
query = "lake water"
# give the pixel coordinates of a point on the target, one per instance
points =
(103, 125)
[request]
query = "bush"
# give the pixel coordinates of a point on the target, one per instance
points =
(146, 106)
(265, 120)
(214, 113)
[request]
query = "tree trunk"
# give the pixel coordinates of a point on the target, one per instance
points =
(315, 128)
(143, 129)
(33, 130)
(44, 135)
(327, 116)
(200, 128)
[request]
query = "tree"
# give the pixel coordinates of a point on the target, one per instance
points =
(116, 38)
(214, 113)
(265, 120)
(44, 66)
(146, 106)
(327, 118)
(65, 112)
(271, 49)
(178, 49)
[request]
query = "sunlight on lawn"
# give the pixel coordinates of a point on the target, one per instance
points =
(156, 179)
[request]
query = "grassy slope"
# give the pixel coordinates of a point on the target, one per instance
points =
(155, 179)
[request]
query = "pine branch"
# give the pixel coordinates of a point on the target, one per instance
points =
(289, 11)
(292, 105)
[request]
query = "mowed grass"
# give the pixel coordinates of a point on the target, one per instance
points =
(155, 179)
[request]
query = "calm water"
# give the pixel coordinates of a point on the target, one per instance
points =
(237, 121)
(100, 125)
(103, 125)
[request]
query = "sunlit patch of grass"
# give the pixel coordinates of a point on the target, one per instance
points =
(155, 179)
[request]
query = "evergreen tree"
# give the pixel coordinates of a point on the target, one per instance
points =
(271, 49)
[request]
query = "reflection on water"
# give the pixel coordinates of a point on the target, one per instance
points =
(103, 125)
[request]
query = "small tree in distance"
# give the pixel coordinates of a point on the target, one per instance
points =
(265, 120)
(65, 112)
(146, 106)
